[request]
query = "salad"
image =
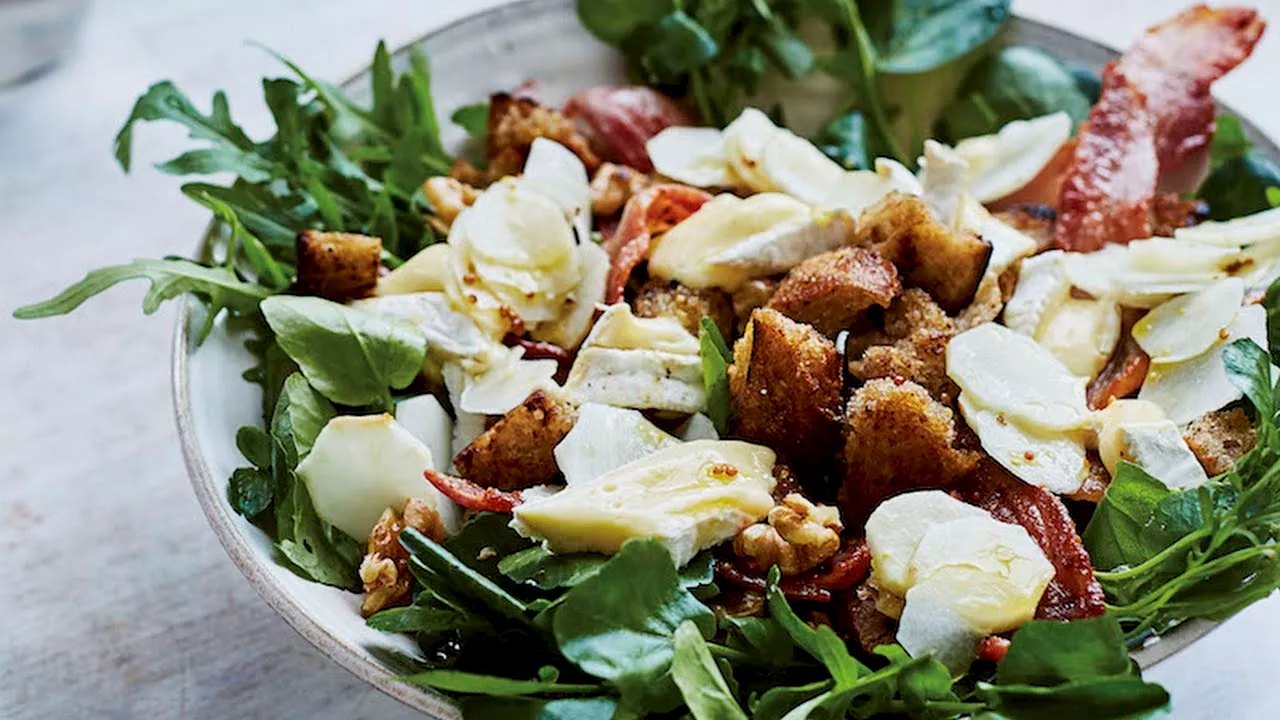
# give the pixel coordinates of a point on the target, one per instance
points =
(689, 398)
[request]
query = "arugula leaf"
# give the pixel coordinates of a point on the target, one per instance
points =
(351, 356)
(701, 684)
(1273, 196)
(525, 709)
(613, 21)
(462, 578)
(716, 359)
(493, 686)
(1229, 141)
(764, 638)
(619, 630)
(1121, 531)
(778, 701)
(822, 643)
(1239, 186)
(916, 36)
(472, 118)
(300, 414)
(545, 570)
(1016, 83)
(1249, 368)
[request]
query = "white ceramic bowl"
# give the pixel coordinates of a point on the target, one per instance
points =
(496, 50)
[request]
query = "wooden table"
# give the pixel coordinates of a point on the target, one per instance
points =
(116, 600)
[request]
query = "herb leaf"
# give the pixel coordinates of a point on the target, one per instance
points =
(460, 577)
(1016, 83)
(231, 151)
(716, 359)
(350, 355)
(472, 118)
(916, 36)
(1238, 186)
(1249, 368)
(528, 709)
(700, 681)
(491, 685)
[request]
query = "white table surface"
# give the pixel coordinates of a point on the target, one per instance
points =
(116, 601)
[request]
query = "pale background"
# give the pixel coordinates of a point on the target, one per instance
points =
(116, 601)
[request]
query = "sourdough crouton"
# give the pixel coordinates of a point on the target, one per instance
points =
(338, 266)
(833, 291)
(659, 298)
(518, 451)
(989, 302)
(912, 346)
(613, 185)
(929, 255)
(1034, 221)
(514, 123)
(1220, 438)
(785, 386)
(749, 296)
(897, 438)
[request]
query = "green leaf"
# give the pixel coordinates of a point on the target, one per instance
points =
(1052, 653)
(245, 244)
(430, 620)
(788, 52)
(764, 638)
(822, 643)
(1249, 368)
(255, 445)
(217, 287)
(620, 630)
(1016, 83)
(716, 358)
(462, 578)
(472, 118)
(250, 491)
(318, 550)
(231, 150)
(525, 709)
(1087, 80)
(1239, 186)
(1273, 196)
(675, 45)
(1271, 301)
(484, 541)
(493, 686)
(1112, 698)
(351, 356)
(545, 570)
(701, 684)
(300, 414)
(1121, 531)
(915, 36)
(845, 140)
(613, 21)
(778, 701)
(1229, 141)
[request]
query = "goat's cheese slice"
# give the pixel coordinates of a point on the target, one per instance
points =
(744, 142)
(1053, 460)
(1012, 375)
(618, 328)
(426, 419)
(692, 155)
(1188, 325)
(605, 438)
(451, 335)
(1003, 163)
(1042, 287)
(1188, 389)
(896, 526)
(931, 625)
(798, 168)
(1259, 227)
(569, 330)
(689, 497)
(1008, 244)
(1082, 333)
(553, 170)
(943, 177)
(642, 379)
(1160, 450)
(507, 384)
(426, 271)
(1107, 423)
(361, 465)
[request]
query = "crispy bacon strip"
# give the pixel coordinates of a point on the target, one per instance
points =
(473, 497)
(993, 648)
(1175, 63)
(1074, 592)
(1046, 186)
(618, 121)
(790, 587)
(848, 567)
(1125, 369)
(1107, 190)
(650, 213)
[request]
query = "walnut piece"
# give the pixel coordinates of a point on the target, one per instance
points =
(385, 568)
(613, 185)
(448, 197)
(798, 536)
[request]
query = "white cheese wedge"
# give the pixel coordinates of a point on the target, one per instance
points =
(1004, 163)
(898, 176)
(618, 328)
(1142, 274)
(507, 384)
(466, 426)
(1082, 334)
(1008, 244)
(642, 379)
(1053, 460)
(698, 427)
(1160, 450)
(744, 141)
(605, 438)
(1256, 228)
(569, 330)
(730, 240)
(1166, 255)
(451, 335)
(553, 170)
(798, 168)
(931, 625)
(1010, 374)
(424, 272)
(993, 571)
(426, 419)
(691, 155)
(896, 526)
(1188, 325)
(360, 466)
(858, 190)
(944, 179)
(1042, 287)
(1107, 422)
(1188, 389)
(689, 497)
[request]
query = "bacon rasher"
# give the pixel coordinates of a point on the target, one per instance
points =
(1154, 116)
(473, 497)
(618, 121)
(652, 212)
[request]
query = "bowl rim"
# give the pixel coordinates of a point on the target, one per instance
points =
(210, 494)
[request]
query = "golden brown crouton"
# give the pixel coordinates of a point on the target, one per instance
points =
(897, 438)
(659, 298)
(385, 568)
(1034, 221)
(517, 452)
(833, 291)
(993, 292)
(912, 346)
(929, 255)
(750, 295)
(785, 386)
(1221, 438)
(514, 123)
(338, 266)
(613, 185)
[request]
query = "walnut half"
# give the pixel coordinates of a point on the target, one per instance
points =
(385, 568)
(798, 536)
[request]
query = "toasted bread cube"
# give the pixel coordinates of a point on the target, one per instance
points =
(518, 451)
(659, 298)
(948, 264)
(785, 386)
(338, 266)
(1220, 438)
(912, 346)
(751, 295)
(897, 438)
(833, 291)
(514, 123)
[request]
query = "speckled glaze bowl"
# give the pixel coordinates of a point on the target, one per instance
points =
(495, 50)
